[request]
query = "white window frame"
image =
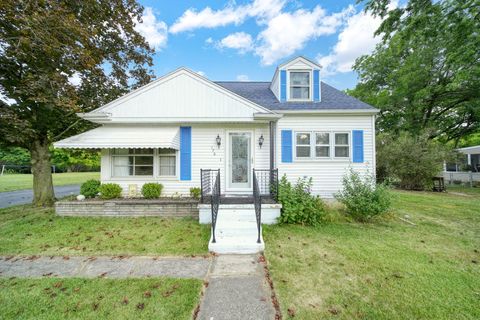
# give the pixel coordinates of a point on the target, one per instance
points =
(329, 145)
(134, 155)
(313, 145)
(156, 167)
(310, 86)
(174, 154)
(348, 145)
(303, 145)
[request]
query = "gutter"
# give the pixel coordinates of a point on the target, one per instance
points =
(330, 111)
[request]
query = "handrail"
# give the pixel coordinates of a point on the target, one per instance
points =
(267, 182)
(207, 180)
(257, 201)
(215, 202)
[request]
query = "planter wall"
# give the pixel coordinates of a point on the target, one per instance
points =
(129, 208)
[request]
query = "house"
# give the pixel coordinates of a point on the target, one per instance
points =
(466, 169)
(178, 127)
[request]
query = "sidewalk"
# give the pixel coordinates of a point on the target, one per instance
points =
(237, 289)
(108, 267)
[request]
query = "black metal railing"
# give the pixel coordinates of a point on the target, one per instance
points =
(207, 181)
(215, 201)
(267, 182)
(257, 201)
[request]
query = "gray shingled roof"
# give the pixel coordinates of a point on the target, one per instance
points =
(260, 93)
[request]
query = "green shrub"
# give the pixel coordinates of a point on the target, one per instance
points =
(195, 192)
(410, 161)
(110, 191)
(151, 190)
(90, 188)
(299, 206)
(363, 199)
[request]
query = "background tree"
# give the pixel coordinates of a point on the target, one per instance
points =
(425, 74)
(46, 44)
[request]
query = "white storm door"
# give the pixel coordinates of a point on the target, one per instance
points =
(239, 160)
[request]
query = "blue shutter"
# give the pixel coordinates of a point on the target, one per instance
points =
(357, 146)
(316, 85)
(283, 85)
(287, 154)
(185, 153)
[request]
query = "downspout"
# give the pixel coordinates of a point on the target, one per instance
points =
(272, 145)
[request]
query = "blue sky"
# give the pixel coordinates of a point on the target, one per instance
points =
(245, 40)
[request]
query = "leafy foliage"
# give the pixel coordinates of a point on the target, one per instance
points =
(425, 74)
(90, 188)
(363, 199)
(299, 206)
(110, 191)
(411, 161)
(151, 190)
(195, 192)
(46, 44)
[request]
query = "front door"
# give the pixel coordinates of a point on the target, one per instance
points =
(239, 160)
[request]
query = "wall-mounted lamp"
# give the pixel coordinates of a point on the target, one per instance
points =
(219, 141)
(260, 141)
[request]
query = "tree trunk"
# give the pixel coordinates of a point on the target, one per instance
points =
(42, 175)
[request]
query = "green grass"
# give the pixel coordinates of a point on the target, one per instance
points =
(50, 298)
(38, 231)
(383, 270)
(11, 182)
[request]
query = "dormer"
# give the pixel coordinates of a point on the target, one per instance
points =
(297, 80)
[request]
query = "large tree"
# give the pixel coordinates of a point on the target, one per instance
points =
(58, 58)
(425, 74)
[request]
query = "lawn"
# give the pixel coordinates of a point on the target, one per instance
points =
(388, 269)
(11, 182)
(50, 298)
(38, 231)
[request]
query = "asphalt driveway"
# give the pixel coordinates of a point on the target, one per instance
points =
(13, 198)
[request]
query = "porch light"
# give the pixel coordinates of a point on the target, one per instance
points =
(219, 141)
(260, 141)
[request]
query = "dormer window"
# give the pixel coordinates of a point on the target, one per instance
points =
(300, 85)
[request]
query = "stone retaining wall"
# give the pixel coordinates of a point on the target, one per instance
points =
(129, 208)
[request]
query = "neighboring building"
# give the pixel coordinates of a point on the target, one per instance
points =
(170, 129)
(466, 170)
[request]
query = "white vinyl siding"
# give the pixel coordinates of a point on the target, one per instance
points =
(326, 173)
(205, 155)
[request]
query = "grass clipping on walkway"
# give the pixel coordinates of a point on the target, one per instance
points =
(388, 269)
(38, 231)
(55, 298)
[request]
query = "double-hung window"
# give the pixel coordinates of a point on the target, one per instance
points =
(132, 162)
(322, 145)
(167, 162)
(313, 145)
(342, 148)
(299, 85)
(303, 144)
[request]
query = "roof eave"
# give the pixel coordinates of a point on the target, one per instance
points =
(330, 111)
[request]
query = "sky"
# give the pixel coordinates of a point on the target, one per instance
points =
(246, 40)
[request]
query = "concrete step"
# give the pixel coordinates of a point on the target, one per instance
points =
(236, 244)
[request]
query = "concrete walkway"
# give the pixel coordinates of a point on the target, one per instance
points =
(237, 289)
(108, 267)
(235, 285)
(13, 198)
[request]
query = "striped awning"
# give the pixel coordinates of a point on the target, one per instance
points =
(124, 136)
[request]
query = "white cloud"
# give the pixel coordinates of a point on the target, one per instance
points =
(209, 40)
(288, 32)
(75, 79)
(154, 31)
(201, 73)
(242, 77)
(355, 40)
(231, 14)
(240, 41)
